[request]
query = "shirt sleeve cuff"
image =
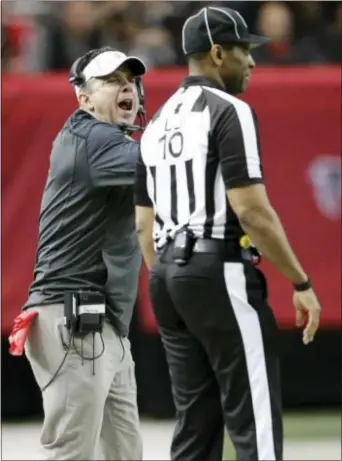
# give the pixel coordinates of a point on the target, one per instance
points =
(143, 201)
(242, 182)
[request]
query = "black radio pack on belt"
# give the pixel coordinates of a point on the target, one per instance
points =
(84, 312)
(183, 245)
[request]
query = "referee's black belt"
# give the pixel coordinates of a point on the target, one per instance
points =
(224, 249)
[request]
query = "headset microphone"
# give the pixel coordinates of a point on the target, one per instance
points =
(128, 128)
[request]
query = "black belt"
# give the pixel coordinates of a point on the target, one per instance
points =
(213, 246)
(226, 250)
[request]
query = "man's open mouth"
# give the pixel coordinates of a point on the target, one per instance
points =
(126, 104)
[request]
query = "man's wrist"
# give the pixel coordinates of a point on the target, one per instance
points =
(302, 286)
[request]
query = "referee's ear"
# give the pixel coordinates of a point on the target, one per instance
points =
(217, 55)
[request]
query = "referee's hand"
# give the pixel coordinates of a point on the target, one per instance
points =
(307, 309)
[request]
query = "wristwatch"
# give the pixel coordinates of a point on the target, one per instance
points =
(302, 286)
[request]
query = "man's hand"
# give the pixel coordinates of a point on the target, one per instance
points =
(307, 305)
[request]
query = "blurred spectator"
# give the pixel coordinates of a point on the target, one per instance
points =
(309, 18)
(155, 16)
(275, 20)
(22, 23)
(70, 35)
(330, 37)
(155, 47)
(40, 35)
(174, 23)
(6, 48)
(12, 43)
(118, 24)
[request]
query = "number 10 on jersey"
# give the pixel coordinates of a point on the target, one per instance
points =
(172, 144)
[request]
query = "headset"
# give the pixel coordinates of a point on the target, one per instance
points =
(77, 79)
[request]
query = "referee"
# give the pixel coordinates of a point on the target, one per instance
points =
(199, 193)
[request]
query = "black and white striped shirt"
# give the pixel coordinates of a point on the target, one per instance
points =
(201, 143)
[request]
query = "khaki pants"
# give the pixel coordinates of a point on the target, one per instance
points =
(86, 416)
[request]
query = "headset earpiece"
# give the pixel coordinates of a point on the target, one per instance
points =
(76, 78)
(141, 93)
(130, 129)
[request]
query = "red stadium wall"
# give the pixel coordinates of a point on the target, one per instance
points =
(299, 114)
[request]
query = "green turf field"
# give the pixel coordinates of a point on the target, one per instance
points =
(304, 426)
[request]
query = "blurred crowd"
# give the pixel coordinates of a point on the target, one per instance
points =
(42, 35)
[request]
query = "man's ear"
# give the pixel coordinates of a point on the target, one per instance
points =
(85, 101)
(216, 54)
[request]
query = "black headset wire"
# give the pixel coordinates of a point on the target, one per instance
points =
(67, 350)
(94, 357)
(68, 347)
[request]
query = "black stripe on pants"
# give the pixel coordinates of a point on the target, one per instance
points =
(220, 338)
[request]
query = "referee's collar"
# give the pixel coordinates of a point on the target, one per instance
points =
(201, 80)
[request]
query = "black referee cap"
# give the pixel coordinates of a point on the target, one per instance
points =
(216, 25)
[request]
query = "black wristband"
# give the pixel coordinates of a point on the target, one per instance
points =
(302, 286)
